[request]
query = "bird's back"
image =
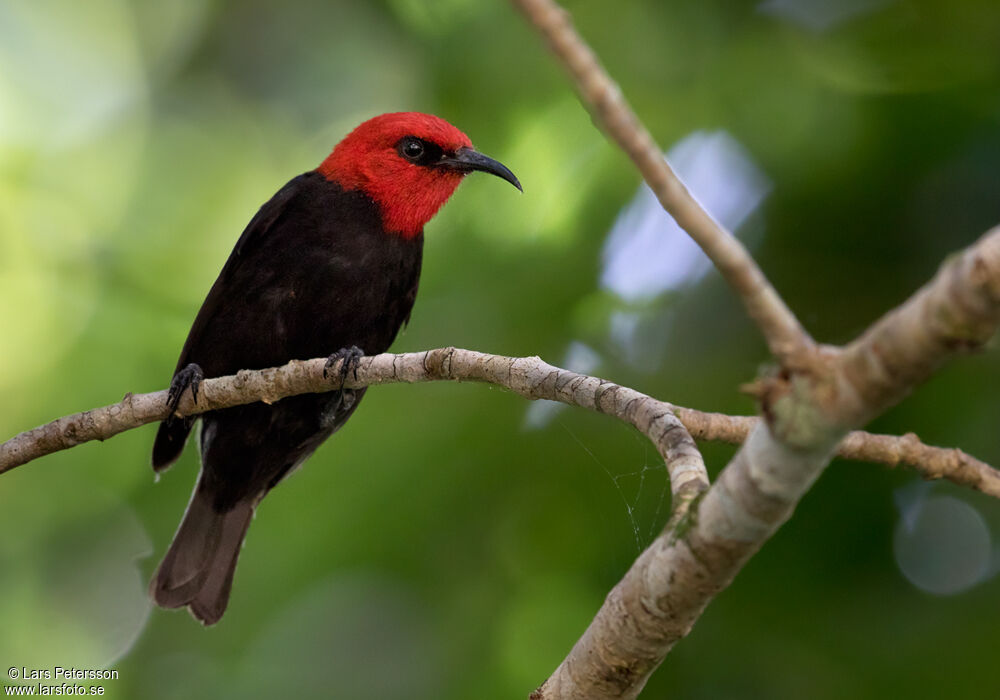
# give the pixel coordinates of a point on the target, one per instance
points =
(314, 272)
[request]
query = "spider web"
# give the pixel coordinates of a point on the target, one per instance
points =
(636, 489)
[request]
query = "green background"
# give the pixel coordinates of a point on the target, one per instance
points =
(437, 547)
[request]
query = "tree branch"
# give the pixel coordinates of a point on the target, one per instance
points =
(786, 338)
(297, 377)
(528, 376)
(930, 462)
(955, 312)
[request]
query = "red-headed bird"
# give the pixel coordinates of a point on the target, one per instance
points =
(330, 263)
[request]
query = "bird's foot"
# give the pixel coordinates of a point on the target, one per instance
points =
(190, 376)
(351, 357)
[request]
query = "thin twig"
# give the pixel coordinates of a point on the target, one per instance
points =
(907, 450)
(786, 338)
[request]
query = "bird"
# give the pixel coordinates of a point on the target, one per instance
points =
(328, 267)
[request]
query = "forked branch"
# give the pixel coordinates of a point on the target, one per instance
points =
(820, 393)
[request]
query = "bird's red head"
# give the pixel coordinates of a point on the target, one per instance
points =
(409, 164)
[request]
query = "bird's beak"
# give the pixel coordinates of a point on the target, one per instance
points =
(466, 160)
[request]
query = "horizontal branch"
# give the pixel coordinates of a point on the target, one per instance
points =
(528, 376)
(907, 450)
(571, 388)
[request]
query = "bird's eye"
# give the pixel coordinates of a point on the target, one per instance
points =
(418, 151)
(411, 149)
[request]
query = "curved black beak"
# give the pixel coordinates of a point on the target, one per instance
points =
(467, 160)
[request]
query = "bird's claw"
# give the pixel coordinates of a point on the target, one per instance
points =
(351, 357)
(190, 376)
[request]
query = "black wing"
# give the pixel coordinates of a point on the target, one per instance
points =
(174, 430)
(268, 215)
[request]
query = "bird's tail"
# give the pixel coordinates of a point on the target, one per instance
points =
(197, 570)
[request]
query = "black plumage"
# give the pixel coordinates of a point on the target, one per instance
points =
(314, 272)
